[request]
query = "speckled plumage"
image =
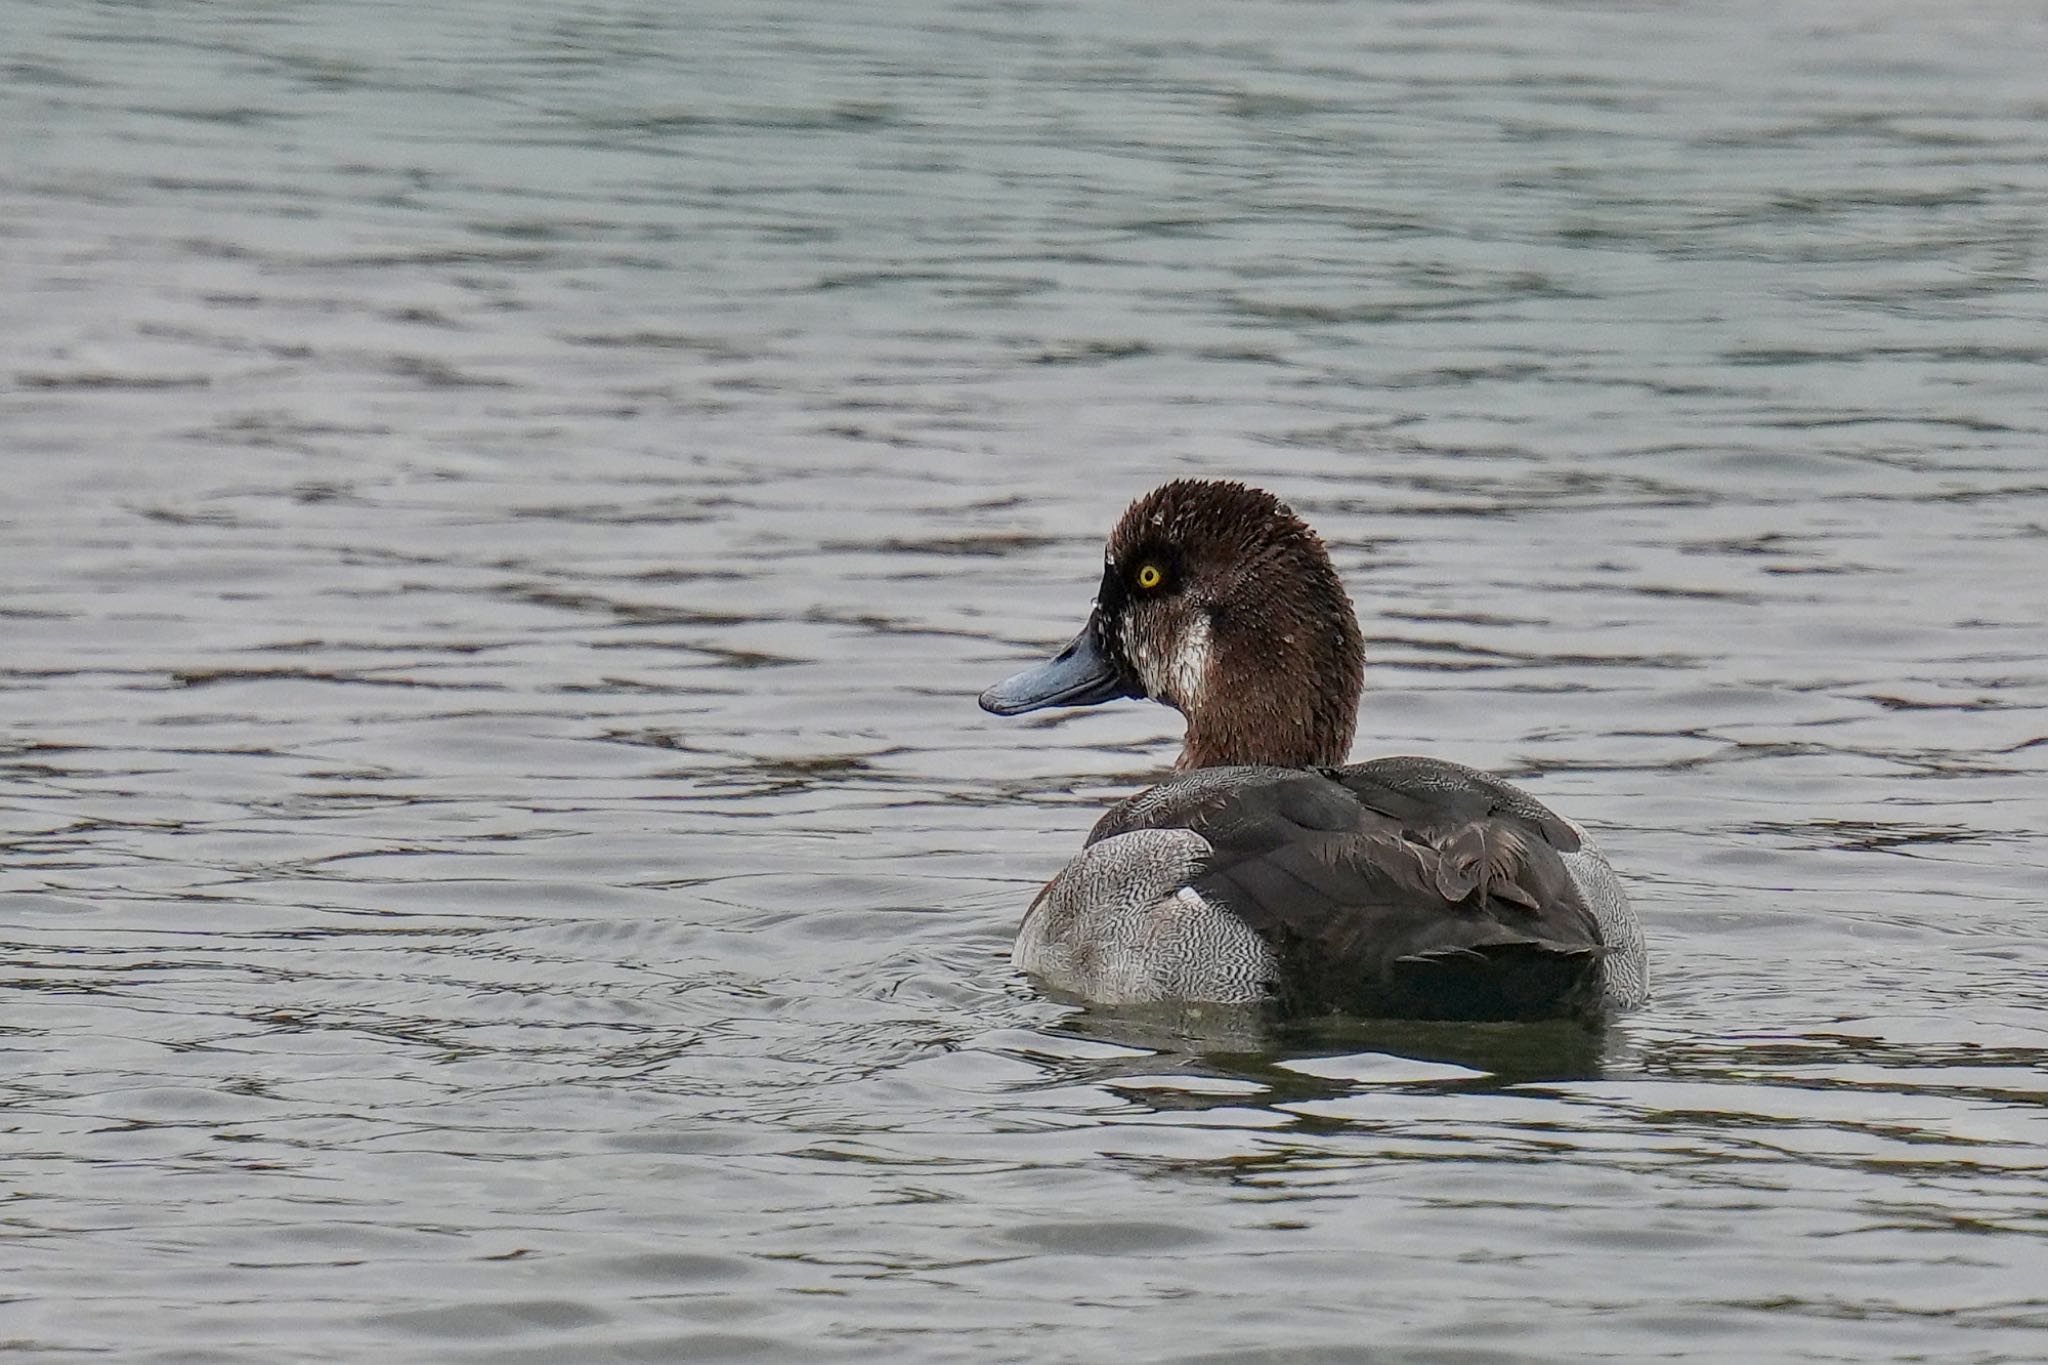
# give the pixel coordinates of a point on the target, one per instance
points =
(1120, 925)
(1625, 970)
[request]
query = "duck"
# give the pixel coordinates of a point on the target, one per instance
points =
(1268, 871)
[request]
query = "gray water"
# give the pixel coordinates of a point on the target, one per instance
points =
(506, 509)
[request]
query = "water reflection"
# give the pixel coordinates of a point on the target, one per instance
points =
(1294, 1058)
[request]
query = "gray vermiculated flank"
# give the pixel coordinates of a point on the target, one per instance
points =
(1119, 926)
(1624, 972)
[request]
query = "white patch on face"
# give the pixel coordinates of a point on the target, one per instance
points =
(1178, 678)
(1191, 663)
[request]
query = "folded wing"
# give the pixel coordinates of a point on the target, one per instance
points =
(1404, 887)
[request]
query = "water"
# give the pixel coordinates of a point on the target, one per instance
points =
(507, 510)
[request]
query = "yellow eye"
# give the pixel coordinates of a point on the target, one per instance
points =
(1149, 577)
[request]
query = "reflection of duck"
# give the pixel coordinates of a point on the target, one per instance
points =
(1328, 1056)
(1403, 887)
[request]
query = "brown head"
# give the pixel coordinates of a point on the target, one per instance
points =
(1220, 602)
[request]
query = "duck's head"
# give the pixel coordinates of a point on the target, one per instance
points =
(1220, 602)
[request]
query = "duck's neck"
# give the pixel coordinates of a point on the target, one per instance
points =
(1302, 713)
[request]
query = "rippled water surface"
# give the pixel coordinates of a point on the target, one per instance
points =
(507, 508)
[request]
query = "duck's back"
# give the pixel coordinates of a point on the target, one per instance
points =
(1400, 887)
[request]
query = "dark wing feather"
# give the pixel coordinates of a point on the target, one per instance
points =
(1430, 791)
(1394, 891)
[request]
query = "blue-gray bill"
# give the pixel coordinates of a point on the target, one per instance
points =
(1082, 674)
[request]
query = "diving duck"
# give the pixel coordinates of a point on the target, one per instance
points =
(1269, 871)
